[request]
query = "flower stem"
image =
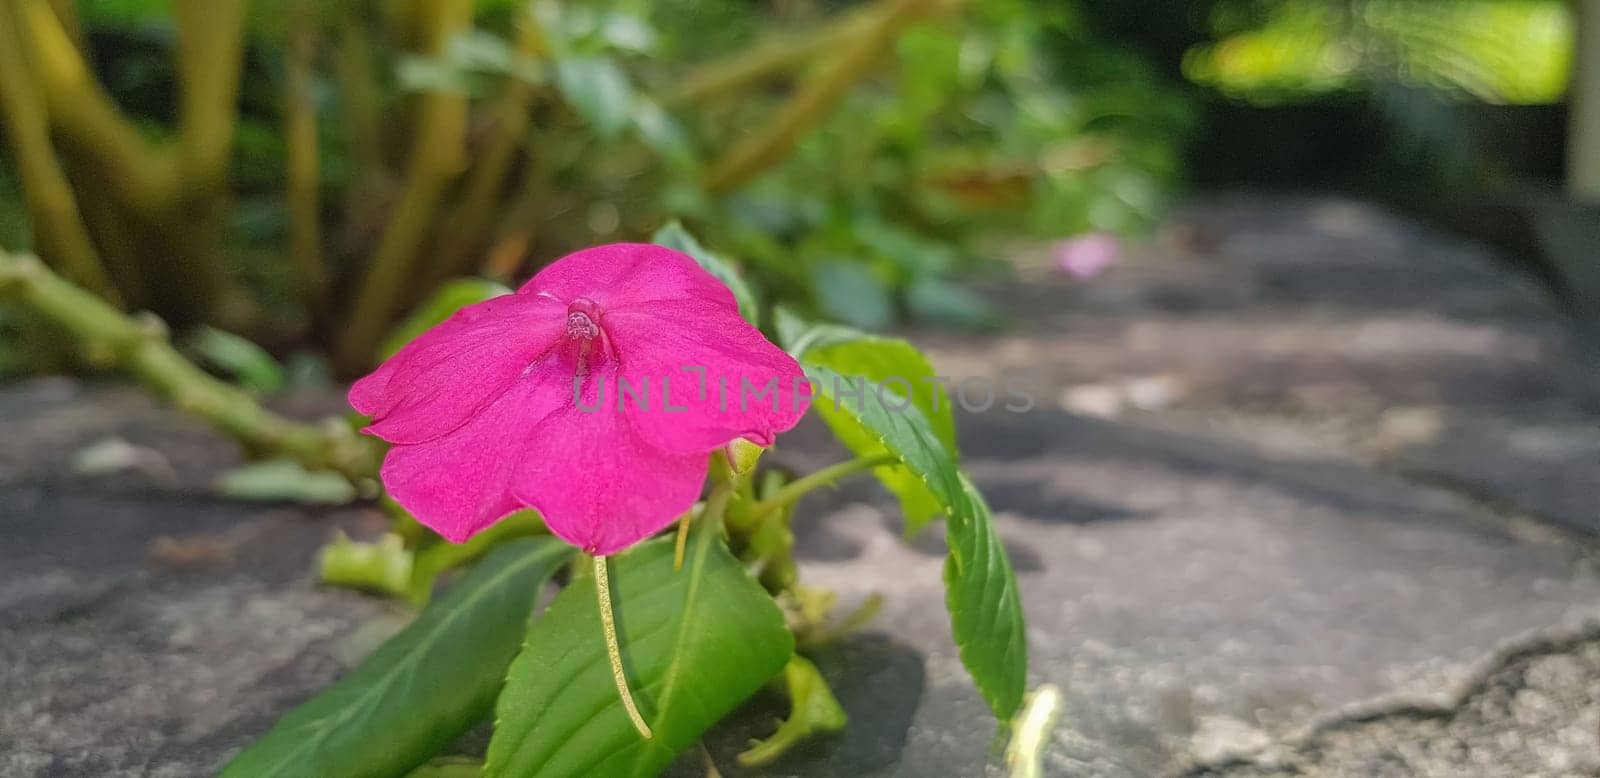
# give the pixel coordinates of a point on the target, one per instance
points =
(827, 476)
(608, 625)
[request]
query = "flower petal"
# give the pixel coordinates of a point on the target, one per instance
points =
(724, 379)
(461, 482)
(598, 484)
(452, 372)
(627, 274)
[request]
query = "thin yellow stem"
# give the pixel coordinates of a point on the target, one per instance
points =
(608, 625)
(683, 540)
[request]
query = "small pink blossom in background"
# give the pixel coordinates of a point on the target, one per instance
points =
(1086, 255)
(482, 413)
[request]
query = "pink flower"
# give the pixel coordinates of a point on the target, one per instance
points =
(515, 402)
(1086, 255)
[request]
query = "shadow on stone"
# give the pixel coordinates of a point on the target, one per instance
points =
(879, 681)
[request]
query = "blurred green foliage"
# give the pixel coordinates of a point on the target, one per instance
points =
(854, 160)
(1497, 51)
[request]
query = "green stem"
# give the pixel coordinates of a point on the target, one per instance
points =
(140, 346)
(800, 487)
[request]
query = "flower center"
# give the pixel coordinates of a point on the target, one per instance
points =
(580, 326)
(583, 328)
(581, 316)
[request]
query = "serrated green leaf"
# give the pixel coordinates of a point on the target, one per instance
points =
(981, 588)
(696, 643)
(870, 422)
(674, 236)
(895, 367)
(420, 690)
(451, 297)
(985, 606)
(599, 91)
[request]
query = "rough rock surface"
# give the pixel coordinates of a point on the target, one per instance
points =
(1308, 490)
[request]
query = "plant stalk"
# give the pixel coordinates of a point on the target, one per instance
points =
(140, 346)
(303, 187)
(437, 156)
(814, 100)
(608, 625)
(62, 235)
(827, 476)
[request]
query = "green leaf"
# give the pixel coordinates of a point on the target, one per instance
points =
(981, 589)
(696, 642)
(248, 363)
(896, 368)
(384, 565)
(674, 236)
(870, 422)
(285, 480)
(423, 688)
(599, 91)
(453, 296)
(985, 607)
(812, 710)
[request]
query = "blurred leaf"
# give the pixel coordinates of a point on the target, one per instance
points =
(422, 689)
(850, 292)
(661, 132)
(481, 52)
(383, 565)
(599, 91)
(109, 456)
(246, 362)
(423, 74)
(696, 642)
(451, 297)
(675, 237)
(931, 299)
(812, 710)
(283, 480)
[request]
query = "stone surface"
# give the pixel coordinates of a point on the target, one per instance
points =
(1307, 490)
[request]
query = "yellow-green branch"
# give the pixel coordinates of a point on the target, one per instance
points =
(769, 58)
(61, 233)
(140, 346)
(300, 136)
(437, 156)
(815, 98)
(473, 216)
